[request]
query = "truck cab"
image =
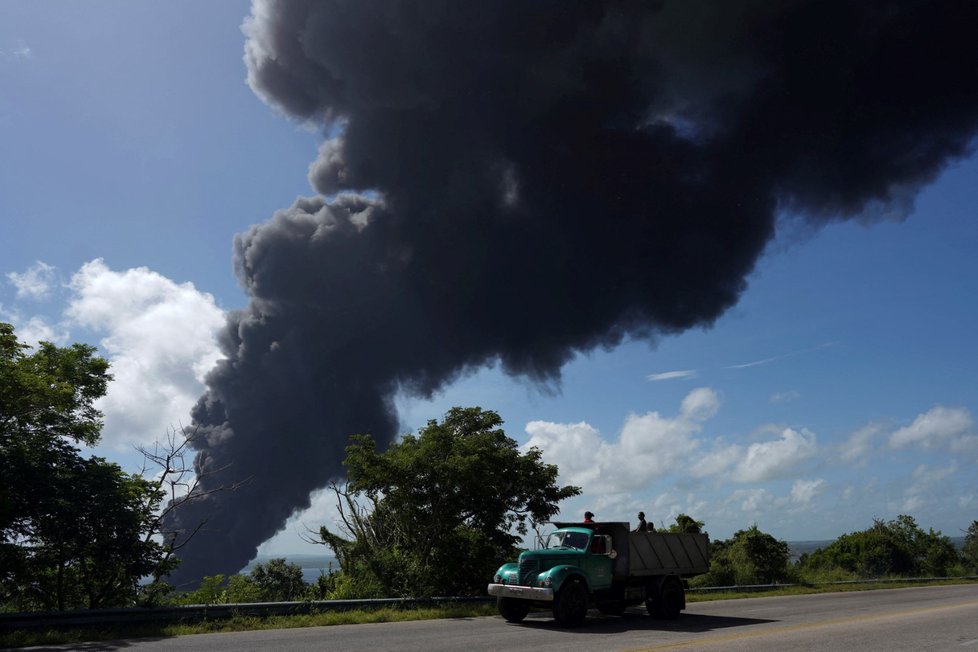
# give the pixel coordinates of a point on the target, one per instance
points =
(567, 551)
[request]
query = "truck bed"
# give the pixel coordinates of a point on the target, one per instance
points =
(652, 553)
(641, 554)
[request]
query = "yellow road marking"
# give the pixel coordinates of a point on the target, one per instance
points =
(798, 628)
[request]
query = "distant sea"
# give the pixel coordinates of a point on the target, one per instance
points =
(799, 548)
(312, 565)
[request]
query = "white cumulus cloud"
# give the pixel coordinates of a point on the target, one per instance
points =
(159, 337)
(648, 447)
(939, 426)
(572, 446)
(775, 459)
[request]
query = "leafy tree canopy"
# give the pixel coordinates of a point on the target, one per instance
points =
(74, 532)
(686, 524)
(969, 552)
(52, 391)
(897, 547)
(436, 513)
(278, 581)
(750, 557)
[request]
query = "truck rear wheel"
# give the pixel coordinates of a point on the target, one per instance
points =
(570, 604)
(668, 600)
(512, 610)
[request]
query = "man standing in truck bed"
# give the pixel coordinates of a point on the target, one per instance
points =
(642, 525)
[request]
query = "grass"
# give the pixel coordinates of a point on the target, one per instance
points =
(24, 638)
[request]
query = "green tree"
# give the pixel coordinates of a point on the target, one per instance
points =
(722, 572)
(436, 513)
(241, 589)
(47, 401)
(211, 590)
(74, 532)
(278, 581)
(686, 524)
(758, 557)
(969, 553)
(750, 557)
(889, 548)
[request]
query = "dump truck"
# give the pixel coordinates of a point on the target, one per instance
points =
(601, 565)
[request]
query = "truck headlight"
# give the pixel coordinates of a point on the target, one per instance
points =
(497, 578)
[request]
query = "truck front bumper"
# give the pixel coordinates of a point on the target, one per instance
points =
(521, 592)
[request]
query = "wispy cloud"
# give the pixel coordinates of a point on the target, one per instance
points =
(925, 489)
(685, 374)
(20, 52)
(857, 449)
(802, 491)
(757, 363)
(784, 397)
(36, 282)
(35, 329)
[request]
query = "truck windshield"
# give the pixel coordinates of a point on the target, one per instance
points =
(567, 541)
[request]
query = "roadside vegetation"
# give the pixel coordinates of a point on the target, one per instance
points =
(887, 550)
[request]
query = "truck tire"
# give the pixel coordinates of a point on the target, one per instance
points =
(512, 610)
(570, 604)
(668, 600)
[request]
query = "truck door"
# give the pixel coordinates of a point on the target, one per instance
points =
(598, 563)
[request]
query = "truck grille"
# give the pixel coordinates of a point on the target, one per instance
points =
(528, 571)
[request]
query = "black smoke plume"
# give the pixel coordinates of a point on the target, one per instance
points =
(513, 182)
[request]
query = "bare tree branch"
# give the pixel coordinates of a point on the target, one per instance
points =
(177, 484)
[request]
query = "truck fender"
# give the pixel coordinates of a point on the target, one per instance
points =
(507, 568)
(560, 574)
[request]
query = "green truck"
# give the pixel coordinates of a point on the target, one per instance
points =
(601, 565)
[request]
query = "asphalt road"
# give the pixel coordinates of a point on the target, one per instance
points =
(925, 618)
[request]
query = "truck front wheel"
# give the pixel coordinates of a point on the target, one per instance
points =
(512, 610)
(570, 604)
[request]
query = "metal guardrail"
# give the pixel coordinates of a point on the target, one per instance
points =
(196, 613)
(752, 588)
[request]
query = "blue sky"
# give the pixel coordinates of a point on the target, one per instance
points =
(840, 388)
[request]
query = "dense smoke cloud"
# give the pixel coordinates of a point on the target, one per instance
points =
(518, 181)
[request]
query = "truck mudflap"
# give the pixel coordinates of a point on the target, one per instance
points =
(521, 592)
